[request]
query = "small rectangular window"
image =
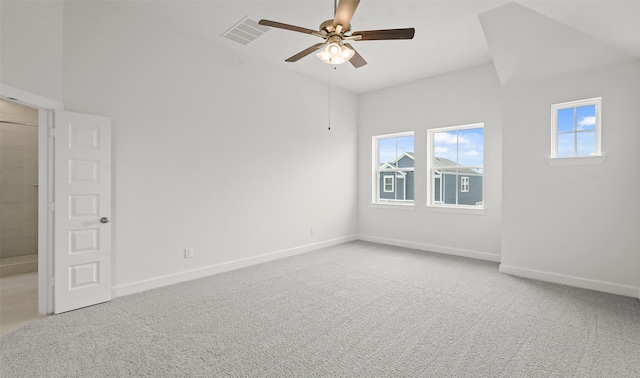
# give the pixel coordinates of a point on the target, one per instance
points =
(388, 183)
(464, 184)
(576, 129)
(456, 166)
(393, 167)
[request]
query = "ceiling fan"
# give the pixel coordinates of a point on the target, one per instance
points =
(334, 50)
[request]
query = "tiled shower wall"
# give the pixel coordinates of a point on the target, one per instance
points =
(18, 180)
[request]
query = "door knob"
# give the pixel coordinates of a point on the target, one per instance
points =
(104, 220)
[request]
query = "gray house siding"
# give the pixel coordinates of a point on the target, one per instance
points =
(410, 187)
(398, 186)
(474, 195)
(402, 182)
(437, 196)
(451, 186)
(405, 162)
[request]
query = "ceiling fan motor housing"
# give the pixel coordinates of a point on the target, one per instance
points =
(328, 27)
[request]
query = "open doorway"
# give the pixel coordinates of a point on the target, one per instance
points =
(74, 193)
(19, 164)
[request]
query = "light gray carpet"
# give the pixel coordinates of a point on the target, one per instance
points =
(354, 310)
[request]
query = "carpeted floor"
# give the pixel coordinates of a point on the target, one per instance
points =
(354, 310)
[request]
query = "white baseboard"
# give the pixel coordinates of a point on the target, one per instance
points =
(152, 283)
(563, 279)
(433, 248)
(580, 282)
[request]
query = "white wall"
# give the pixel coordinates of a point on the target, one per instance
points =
(232, 157)
(31, 40)
(213, 151)
(573, 224)
(458, 98)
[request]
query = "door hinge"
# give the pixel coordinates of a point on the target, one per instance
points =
(52, 132)
(52, 206)
(52, 281)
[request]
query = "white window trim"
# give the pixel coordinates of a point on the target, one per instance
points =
(460, 209)
(376, 201)
(384, 184)
(464, 184)
(576, 160)
(439, 206)
(394, 205)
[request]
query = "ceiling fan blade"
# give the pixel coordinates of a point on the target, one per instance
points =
(356, 60)
(376, 35)
(304, 53)
(298, 29)
(344, 13)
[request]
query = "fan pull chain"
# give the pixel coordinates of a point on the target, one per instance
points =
(335, 9)
(329, 116)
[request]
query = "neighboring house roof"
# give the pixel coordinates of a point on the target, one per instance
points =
(446, 165)
(441, 164)
(392, 163)
(407, 154)
(389, 166)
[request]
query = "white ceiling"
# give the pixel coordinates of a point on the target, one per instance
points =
(449, 35)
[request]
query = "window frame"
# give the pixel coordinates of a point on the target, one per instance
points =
(464, 184)
(432, 204)
(376, 171)
(384, 184)
(597, 101)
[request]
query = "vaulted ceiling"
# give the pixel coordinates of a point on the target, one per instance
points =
(450, 35)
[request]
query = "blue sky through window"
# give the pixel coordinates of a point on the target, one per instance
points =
(586, 118)
(391, 148)
(576, 131)
(566, 120)
(464, 147)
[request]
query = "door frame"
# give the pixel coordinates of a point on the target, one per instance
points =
(46, 107)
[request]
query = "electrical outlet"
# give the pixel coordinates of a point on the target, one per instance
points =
(188, 253)
(312, 231)
(429, 232)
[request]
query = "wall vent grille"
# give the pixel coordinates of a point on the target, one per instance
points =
(245, 31)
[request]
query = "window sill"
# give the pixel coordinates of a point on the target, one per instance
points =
(583, 160)
(455, 210)
(394, 206)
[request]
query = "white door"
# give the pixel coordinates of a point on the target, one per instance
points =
(82, 198)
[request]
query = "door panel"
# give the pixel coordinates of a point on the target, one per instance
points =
(82, 192)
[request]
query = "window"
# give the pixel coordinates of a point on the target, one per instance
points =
(575, 129)
(456, 166)
(393, 166)
(464, 184)
(388, 184)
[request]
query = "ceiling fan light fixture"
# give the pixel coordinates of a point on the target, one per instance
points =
(335, 53)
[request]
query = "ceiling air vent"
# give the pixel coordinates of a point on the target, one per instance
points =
(245, 31)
